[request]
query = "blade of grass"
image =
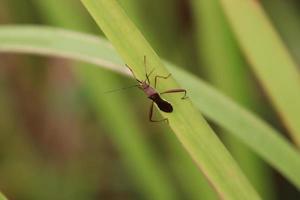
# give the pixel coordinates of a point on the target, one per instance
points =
(259, 136)
(192, 183)
(187, 123)
(269, 59)
(227, 70)
(285, 17)
(189, 126)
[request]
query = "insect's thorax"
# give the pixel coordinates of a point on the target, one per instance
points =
(148, 90)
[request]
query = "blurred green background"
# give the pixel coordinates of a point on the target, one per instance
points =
(62, 137)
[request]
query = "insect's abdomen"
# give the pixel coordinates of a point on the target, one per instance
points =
(162, 104)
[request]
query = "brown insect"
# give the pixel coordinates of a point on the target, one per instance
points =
(152, 93)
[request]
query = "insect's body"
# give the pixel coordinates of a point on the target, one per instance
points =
(152, 94)
(155, 97)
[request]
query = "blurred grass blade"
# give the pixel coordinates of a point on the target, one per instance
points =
(269, 58)
(285, 16)
(53, 15)
(2, 197)
(187, 123)
(260, 137)
(225, 67)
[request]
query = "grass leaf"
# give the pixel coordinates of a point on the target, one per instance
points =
(186, 122)
(269, 58)
(225, 66)
(259, 136)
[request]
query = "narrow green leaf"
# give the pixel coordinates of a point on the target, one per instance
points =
(269, 58)
(259, 136)
(225, 67)
(187, 123)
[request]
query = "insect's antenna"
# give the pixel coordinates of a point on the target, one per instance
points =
(116, 90)
(151, 72)
(145, 67)
(145, 64)
(133, 74)
(147, 75)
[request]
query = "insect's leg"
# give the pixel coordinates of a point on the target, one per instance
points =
(133, 73)
(147, 75)
(176, 90)
(157, 77)
(151, 115)
(145, 65)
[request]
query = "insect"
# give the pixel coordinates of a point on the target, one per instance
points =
(154, 95)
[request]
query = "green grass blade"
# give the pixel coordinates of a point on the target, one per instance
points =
(192, 183)
(225, 67)
(269, 58)
(260, 137)
(187, 123)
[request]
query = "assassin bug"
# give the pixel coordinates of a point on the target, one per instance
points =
(152, 93)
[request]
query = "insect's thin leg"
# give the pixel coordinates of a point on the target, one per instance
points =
(151, 115)
(164, 77)
(133, 73)
(176, 90)
(145, 65)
